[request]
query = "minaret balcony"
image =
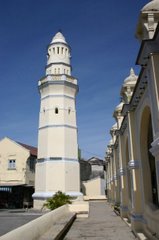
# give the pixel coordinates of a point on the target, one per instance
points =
(54, 78)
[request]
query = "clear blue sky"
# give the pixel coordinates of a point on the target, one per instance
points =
(101, 35)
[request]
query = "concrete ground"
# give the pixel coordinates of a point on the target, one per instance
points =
(102, 224)
(11, 219)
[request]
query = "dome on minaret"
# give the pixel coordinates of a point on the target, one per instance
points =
(148, 20)
(151, 6)
(128, 86)
(58, 38)
(131, 79)
(58, 56)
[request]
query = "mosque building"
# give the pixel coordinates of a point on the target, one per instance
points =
(57, 167)
(132, 155)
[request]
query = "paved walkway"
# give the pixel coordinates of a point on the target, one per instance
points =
(102, 224)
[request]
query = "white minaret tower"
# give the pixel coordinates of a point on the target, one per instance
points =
(57, 166)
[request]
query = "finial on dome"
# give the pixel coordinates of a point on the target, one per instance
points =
(132, 73)
(131, 78)
(60, 30)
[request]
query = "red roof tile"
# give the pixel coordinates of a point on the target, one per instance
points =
(33, 150)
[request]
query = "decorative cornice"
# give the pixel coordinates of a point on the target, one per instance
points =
(58, 63)
(125, 109)
(55, 96)
(42, 195)
(59, 82)
(139, 90)
(50, 159)
(148, 46)
(123, 125)
(61, 43)
(57, 126)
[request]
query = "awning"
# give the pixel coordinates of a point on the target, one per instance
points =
(5, 189)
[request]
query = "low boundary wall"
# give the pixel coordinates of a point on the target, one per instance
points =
(54, 223)
(36, 228)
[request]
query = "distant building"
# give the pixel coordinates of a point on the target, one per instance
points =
(17, 173)
(97, 167)
(85, 170)
(92, 174)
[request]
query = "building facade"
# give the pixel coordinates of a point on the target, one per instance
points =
(17, 174)
(97, 167)
(57, 167)
(92, 175)
(133, 152)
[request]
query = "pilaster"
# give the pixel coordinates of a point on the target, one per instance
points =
(153, 86)
(134, 168)
(123, 180)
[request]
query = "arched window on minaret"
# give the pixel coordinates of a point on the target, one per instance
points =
(53, 50)
(55, 70)
(69, 110)
(58, 50)
(62, 50)
(58, 70)
(56, 110)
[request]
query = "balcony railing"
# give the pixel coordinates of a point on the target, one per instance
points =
(58, 77)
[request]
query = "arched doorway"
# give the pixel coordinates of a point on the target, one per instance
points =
(147, 159)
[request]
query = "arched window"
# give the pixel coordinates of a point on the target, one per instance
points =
(58, 70)
(55, 70)
(147, 159)
(58, 50)
(56, 110)
(69, 110)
